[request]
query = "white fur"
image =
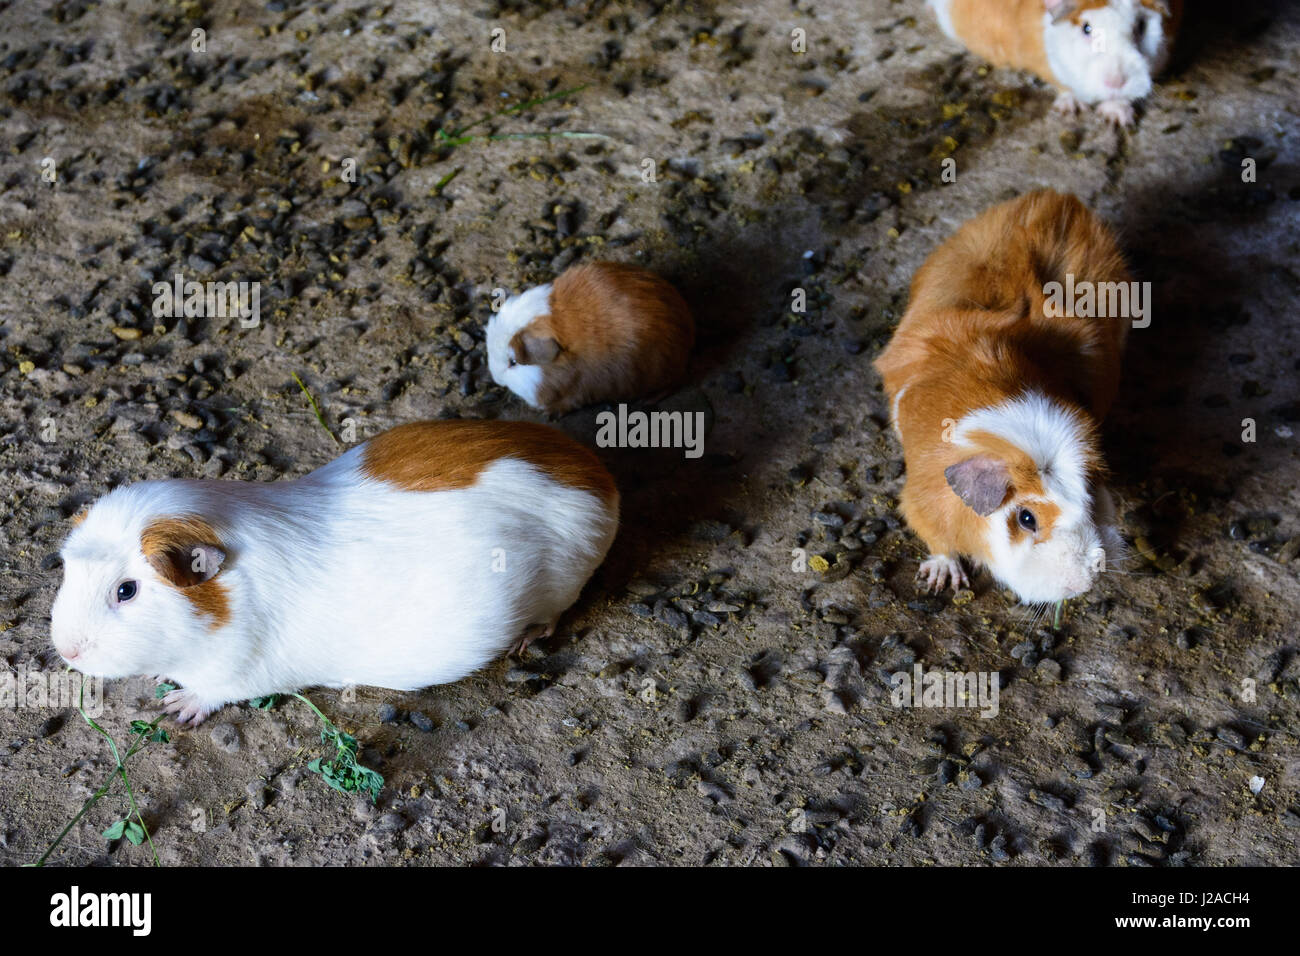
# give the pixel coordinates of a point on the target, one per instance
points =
(943, 13)
(334, 579)
(898, 399)
(1080, 546)
(1128, 41)
(516, 313)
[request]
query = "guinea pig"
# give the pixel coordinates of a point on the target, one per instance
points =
(601, 332)
(997, 388)
(412, 559)
(1098, 52)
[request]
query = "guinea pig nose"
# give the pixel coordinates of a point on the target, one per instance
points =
(1115, 80)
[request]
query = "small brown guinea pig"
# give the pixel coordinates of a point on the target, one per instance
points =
(997, 389)
(601, 332)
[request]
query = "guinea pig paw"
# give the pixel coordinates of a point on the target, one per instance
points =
(184, 706)
(532, 633)
(1066, 104)
(939, 571)
(1118, 113)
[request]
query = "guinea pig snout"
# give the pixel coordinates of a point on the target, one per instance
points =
(68, 647)
(67, 641)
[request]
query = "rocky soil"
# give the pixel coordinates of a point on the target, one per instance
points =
(706, 701)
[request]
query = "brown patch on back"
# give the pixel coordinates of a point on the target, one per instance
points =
(1004, 32)
(622, 332)
(168, 545)
(444, 455)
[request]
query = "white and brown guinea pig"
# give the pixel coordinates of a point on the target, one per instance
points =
(1102, 53)
(997, 400)
(412, 559)
(601, 332)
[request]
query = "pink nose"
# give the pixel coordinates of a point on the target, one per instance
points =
(70, 654)
(1115, 81)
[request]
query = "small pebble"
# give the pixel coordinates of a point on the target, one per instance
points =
(226, 737)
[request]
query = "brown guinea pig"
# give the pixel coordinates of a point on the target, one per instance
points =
(997, 388)
(601, 332)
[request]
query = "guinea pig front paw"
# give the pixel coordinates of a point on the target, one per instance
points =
(940, 570)
(185, 707)
(1117, 112)
(1066, 104)
(532, 633)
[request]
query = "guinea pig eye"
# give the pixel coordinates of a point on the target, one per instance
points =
(1087, 29)
(510, 362)
(126, 590)
(1027, 520)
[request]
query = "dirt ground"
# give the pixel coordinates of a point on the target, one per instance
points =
(704, 702)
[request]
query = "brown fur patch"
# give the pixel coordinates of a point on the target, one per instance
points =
(976, 333)
(79, 517)
(1004, 32)
(623, 333)
(439, 456)
(168, 545)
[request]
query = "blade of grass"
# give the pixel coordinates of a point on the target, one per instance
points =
(437, 187)
(320, 416)
(517, 108)
(558, 135)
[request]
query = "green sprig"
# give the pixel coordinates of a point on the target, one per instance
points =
(135, 830)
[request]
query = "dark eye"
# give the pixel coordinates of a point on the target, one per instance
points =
(125, 591)
(1027, 520)
(1087, 29)
(511, 363)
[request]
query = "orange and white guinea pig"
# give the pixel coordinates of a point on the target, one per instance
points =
(412, 559)
(1097, 52)
(600, 332)
(997, 399)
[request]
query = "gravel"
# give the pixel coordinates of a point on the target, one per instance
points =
(703, 691)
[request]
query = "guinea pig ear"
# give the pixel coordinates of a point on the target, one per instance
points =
(184, 551)
(528, 348)
(1059, 9)
(982, 482)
